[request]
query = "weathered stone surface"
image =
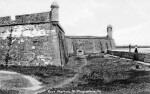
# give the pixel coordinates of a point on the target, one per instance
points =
(26, 19)
(30, 45)
(5, 20)
(33, 39)
(33, 18)
(89, 44)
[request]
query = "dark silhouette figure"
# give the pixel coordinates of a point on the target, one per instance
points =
(135, 54)
(136, 50)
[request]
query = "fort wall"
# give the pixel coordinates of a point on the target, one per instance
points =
(38, 39)
(30, 39)
(89, 44)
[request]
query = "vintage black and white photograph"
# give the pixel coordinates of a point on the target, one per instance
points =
(74, 47)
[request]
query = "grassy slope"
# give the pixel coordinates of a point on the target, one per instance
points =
(8, 92)
(46, 75)
(115, 76)
(111, 76)
(10, 81)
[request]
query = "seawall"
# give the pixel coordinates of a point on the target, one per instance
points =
(130, 55)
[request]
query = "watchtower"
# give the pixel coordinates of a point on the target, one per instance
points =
(54, 12)
(109, 31)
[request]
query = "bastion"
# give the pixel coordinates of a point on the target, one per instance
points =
(33, 39)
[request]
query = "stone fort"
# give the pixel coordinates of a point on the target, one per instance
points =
(39, 39)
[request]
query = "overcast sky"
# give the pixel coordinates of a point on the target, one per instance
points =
(130, 18)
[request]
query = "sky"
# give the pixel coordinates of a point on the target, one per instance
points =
(130, 18)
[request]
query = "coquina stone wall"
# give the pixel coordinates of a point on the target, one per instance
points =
(31, 40)
(89, 44)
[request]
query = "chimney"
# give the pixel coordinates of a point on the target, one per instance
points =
(55, 12)
(109, 31)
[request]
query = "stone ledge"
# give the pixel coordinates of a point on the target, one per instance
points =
(26, 19)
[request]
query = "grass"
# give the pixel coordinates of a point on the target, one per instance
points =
(42, 73)
(110, 76)
(13, 81)
(114, 74)
(47, 75)
(9, 92)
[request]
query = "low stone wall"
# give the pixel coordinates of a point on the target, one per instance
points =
(130, 55)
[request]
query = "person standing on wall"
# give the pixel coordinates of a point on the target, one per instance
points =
(136, 50)
(135, 53)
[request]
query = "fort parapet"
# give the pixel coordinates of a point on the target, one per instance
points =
(26, 19)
